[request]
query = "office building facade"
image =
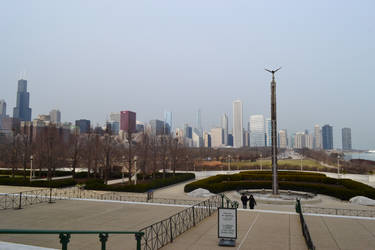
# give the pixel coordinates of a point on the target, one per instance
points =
(22, 111)
(327, 136)
(128, 121)
(346, 135)
(257, 131)
(224, 126)
(237, 124)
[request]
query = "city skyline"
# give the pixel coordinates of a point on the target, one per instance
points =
(326, 61)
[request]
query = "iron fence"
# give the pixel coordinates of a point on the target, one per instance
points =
(25, 198)
(339, 211)
(305, 229)
(65, 235)
(163, 232)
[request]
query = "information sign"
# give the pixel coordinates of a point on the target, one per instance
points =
(227, 223)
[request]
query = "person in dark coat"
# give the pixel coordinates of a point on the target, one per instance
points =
(252, 202)
(244, 200)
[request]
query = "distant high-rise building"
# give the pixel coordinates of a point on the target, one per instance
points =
(199, 122)
(115, 117)
(346, 139)
(257, 131)
(216, 137)
(168, 121)
(128, 121)
(197, 139)
(230, 140)
(140, 126)
(283, 138)
(3, 108)
(246, 139)
(309, 141)
(327, 136)
(83, 125)
(237, 124)
(22, 111)
(157, 127)
(55, 116)
(300, 140)
(207, 139)
(188, 131)
(268, 132)
(317, 137)
(224, 126)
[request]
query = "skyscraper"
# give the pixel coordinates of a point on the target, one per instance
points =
(168, 121)
(188, 131)
(83, 125)
(22, 111)
(346, 139)
(224, 126)
(317, 137)
(199, 122)
(283, 138)
(3, 108)
(55, 116)
(128, 121)
(327, 136)
(157, 127)
(216, 137)
(257, 131)
(237, 124)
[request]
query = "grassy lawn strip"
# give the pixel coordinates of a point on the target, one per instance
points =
(20, 181)
(308, 182)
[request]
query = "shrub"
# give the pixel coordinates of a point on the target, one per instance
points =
(292, 180)
(20, 181)
(97, 184)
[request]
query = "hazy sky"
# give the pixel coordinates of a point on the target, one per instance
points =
(90, 58)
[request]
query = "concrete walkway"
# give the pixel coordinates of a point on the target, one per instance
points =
(255, 231)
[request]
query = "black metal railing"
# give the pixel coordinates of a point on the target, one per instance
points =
(22, 199)
(26, 198)
(65, 235)
(165, 231)
(339, 211)
(305, 229)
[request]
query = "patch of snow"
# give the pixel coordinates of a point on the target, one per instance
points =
(362, 200)
(14, 246)
(200, 193)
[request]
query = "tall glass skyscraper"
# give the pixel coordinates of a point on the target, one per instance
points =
(327, 136)
(257, 131)
(168, 121)
(224, 126)
(346, 139)
(22, 111)
(237, 124)
(268, 132)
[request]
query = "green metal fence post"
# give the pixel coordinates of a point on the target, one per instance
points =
(64, 240)
(222, 200)
(138, 237)
(103, 239)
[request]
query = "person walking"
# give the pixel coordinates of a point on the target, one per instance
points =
(244, 200)
(252, 202)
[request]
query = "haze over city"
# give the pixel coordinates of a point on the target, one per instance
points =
(88, 59)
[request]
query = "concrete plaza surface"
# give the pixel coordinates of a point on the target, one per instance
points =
(82, 215)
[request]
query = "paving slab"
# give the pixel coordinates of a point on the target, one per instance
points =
(256, 230)
(82, 215)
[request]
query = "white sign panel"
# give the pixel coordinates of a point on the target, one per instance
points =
(227, 227)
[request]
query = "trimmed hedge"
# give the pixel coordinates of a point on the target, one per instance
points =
(97, 184)
(20, 181)
(308, 182)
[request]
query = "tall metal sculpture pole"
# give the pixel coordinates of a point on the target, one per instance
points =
(275, 183)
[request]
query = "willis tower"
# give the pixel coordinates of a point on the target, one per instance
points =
(22, 111)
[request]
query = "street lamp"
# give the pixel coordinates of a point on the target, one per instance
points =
(135, 168)
(261, 162)
(123, 169)
(338, 166)
(229, 160)
(31, 167)
(301, 162)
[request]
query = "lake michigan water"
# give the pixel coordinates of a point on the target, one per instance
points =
(363, 156)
